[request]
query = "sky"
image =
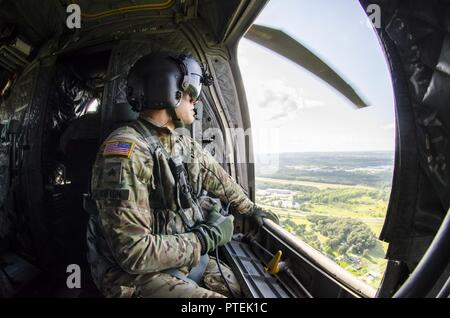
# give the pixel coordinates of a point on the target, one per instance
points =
(292, 110)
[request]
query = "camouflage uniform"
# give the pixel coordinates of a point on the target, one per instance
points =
(134, 239)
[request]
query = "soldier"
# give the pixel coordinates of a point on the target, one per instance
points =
(154, 229)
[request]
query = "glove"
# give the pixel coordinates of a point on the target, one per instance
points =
(259, 214)
(208, 205)
(216, 231)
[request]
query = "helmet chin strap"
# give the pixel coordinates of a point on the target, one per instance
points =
(177, 121)
(156, 123)
(173, 114)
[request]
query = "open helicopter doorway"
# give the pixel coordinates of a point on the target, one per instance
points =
(324, 167)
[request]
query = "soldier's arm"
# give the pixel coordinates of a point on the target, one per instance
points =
(120, 187)
(218, 182)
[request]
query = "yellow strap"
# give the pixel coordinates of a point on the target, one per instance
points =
(274, 265)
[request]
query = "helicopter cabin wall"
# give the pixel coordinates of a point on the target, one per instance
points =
(15, 114)
(23, 231)
(55, 144)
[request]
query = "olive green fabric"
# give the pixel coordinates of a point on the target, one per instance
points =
(216, 231)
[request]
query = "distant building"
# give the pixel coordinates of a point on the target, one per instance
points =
(275, 192)
(281, 192)
(373, 275)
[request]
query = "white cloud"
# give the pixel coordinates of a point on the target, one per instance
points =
(278, 100)
(310, 103)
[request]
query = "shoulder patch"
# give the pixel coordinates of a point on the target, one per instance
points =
(122, 148)
(112, 172)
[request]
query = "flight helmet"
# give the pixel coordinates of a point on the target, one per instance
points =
(158, 80)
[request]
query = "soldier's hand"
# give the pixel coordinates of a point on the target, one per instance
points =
(258, 214)
(216, 231)
(208, 204)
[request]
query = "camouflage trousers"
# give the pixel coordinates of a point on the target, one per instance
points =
(212, 285)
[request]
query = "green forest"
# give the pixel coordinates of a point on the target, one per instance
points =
(340, 218)
(343, 235)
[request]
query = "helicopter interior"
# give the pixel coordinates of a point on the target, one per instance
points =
(63, 91)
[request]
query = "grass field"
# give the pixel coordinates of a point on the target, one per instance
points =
(318, 185)
(368, 267)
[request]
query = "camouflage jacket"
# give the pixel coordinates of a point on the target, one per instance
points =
(137, 235)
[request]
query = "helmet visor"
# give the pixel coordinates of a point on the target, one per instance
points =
(194, 86)
(192, 83)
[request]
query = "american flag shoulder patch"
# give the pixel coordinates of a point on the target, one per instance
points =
(118, 148)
